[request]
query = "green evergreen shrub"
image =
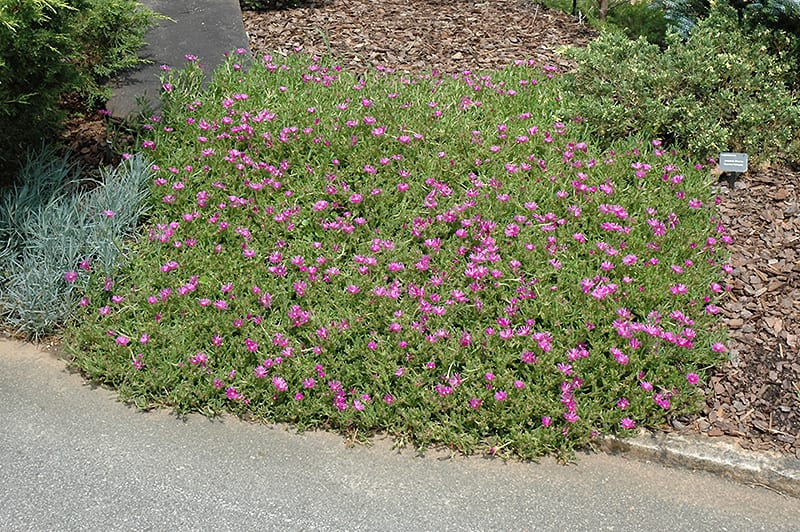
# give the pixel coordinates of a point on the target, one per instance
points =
(683, 15)
(719, 90)
(35, 48)
(781, 19)
(641, 18)
(784, 15)
(52, 47)
(635, 17)
(111, 33)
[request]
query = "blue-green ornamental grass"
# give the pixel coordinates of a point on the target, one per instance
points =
(55, 223)
(446, 259)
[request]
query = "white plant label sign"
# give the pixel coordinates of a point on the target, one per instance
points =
(733, 162)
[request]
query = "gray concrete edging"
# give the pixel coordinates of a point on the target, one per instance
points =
(718, 456)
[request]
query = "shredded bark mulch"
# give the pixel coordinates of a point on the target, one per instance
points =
(755, 397)
(419, 35)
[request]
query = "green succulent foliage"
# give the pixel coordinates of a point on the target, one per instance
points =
(50, 222)
(720, 90)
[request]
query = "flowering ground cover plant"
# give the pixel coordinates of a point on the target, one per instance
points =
(446, 259)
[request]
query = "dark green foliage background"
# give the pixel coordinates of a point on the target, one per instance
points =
(719, 90)
(52, 47)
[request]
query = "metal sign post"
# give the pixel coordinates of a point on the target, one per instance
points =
(731, 165)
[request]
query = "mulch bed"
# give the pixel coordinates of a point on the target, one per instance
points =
(419, 35)
(754, 398)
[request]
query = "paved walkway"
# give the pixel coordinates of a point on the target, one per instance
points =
(207, 29)
(73, 458)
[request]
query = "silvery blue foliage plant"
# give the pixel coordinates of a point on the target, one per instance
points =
(54, 223)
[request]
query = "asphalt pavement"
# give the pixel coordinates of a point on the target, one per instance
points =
(74, 458)
(205, 29)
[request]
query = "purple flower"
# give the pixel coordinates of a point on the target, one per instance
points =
(679, 288)
(627, 423)
(232, 394)
(566, 369)
(280, 384)
(200, 359)
(619, 356)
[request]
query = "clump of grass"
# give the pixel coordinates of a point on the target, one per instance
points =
(446, 259)
(52, 224)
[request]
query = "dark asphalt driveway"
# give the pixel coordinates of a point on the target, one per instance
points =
(73, 458)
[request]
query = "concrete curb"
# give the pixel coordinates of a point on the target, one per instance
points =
(719, 456)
